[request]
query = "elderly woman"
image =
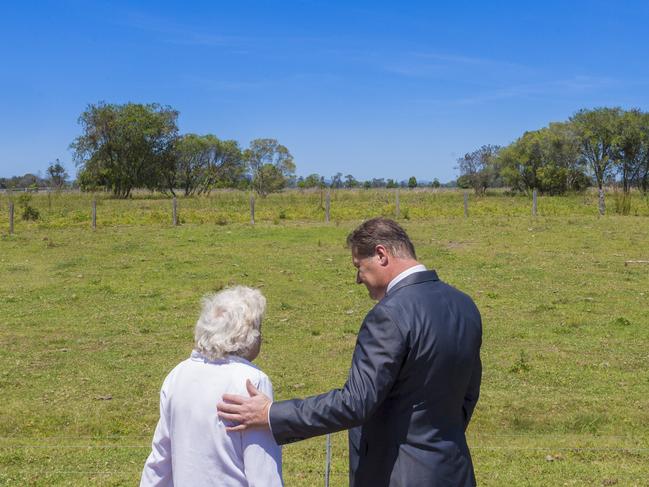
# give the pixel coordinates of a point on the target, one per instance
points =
(191, 446)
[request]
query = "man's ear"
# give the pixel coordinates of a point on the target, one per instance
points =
(382, 253)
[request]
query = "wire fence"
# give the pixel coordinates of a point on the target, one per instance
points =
(99, 210)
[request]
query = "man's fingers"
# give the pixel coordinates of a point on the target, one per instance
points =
(228, 408)
(234, 399)
(239, 427)
(252, 390)
(235, 418)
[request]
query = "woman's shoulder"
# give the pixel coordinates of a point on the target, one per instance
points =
(248, 369)
(171, 377)
(182, 365)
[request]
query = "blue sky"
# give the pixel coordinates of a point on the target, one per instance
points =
(371, 88)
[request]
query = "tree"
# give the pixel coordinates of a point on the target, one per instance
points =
(561, 146)
(546, 159)
(643, 174)
(632, 150)
(478, 168)
(57, 174)
(268, 152)
(520, 161)
(596, 130)
(337, 180)
(273, 179)
(125, 146)
(435, 184)
(315, 181)
(463, 182)
(311, 181)
(391, 184)
(226, 165)
(631, 147)
(351, 182)
(412, 182)
(203, 162)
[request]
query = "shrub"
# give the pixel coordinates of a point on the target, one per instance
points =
(29, 212)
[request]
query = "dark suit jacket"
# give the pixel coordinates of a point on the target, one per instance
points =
(412, 387)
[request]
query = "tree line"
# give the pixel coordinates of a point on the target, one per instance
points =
(129, 146)
(603, 146)
(349, 181)
(56, 178)
(133, 146)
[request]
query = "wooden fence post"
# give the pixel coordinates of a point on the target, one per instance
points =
(328, 461)
(174, 212)
(11, 217)
(327, 206)
(397, 205)
(466, 204)
(94, 214)
(252, 209)
(534, 203)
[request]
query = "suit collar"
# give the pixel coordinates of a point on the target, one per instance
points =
(415, 278)
(404, 274)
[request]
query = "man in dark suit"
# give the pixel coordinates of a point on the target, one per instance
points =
(414, 379)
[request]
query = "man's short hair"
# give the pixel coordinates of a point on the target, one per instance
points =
(381, 231)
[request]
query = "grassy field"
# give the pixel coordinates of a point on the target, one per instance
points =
(225, 207)
(91, 322)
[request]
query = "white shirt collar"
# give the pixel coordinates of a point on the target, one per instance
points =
(404, 274)
(198, 356)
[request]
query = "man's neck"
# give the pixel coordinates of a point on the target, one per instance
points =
(399, 266)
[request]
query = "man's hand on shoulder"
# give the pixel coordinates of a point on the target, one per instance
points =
(248, 412)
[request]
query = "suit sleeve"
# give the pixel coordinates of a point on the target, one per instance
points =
(473, 390)
(378, 356)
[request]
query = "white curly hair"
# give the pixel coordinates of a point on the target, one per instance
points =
(230, 323)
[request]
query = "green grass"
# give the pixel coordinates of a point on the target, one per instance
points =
(91, 322)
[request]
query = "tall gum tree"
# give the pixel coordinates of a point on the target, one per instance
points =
(125, 146)
(270, 164)
(597, 130)
(631, 147)
(203, 162)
